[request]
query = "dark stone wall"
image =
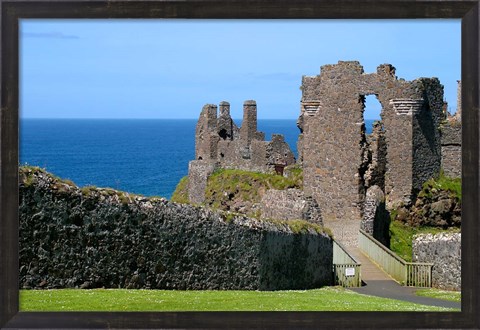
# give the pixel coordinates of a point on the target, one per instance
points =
(452, 148)
(374, 197)
(376, 219)
(426, 151)
(375, 174)
(92, 237)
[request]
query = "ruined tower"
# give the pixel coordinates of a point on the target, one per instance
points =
(335, 150)
(219, 143)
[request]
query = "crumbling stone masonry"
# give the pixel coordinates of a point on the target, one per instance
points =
(220, 143)
(290, 204)
(452, 148)
(375, 219)
(452, 140)
(334, 149)
(198, 173)
(376, 157)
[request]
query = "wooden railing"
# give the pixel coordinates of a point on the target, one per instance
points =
(346, 270)
(406, 273)
(419, 274)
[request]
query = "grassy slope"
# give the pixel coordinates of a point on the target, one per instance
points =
(180, 195)
(244, 185)
(452, 185)
(325, 299)
(401, 235)
(225, 185)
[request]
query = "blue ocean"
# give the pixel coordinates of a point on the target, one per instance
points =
(141, 156)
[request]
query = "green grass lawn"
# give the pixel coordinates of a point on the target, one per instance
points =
(325, 299)
(440, 294)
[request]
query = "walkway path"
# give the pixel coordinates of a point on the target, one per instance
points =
(380, 284)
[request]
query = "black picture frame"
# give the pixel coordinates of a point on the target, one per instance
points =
(12, 11)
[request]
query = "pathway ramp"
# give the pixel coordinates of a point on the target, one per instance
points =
(380, 284)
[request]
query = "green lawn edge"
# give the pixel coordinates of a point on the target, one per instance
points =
(440, 294)
(324, 299)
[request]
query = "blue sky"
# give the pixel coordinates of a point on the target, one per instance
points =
(171, 68)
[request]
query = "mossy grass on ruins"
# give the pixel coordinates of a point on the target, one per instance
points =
(401, 233)
(325, 299)
(299, 226)
(225, 184)
(401, 237)
(227, 188)
(444, 183)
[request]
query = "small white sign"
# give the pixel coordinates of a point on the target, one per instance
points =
(349, 271)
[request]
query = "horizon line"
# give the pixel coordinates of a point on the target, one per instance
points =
(155, 118)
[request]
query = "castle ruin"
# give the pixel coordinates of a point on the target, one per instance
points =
(348, 173)
(219, 143)
(340, 163)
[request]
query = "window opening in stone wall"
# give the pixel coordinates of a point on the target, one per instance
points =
(223, 134)
(372, 111)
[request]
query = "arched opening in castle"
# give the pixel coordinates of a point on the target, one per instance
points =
(372, 111)
(350, 175)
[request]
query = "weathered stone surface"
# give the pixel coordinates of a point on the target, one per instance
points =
(198, 172)
(220, 141)
(290, 204)
(436, 208)
(336, 154)
(206, 130)
(458, 114)
(92, 237)
(239, 148)
(340, 162)
(376, 219)
(377, 152)
(444, 251)
(452, 148)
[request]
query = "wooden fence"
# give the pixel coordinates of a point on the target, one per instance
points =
(406, 273)
(346, 270)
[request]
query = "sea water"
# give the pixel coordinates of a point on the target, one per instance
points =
(141, 156)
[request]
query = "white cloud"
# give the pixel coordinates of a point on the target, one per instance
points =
(50, 35)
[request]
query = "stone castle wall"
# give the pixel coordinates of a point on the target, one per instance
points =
(452, 148)
(451, 132)
(444, 251)
(335, 157)
(198, 173)
(91, 238)
(377, 153)
(290, 204)
(376, 219)
(340, 162)
(426, 138)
